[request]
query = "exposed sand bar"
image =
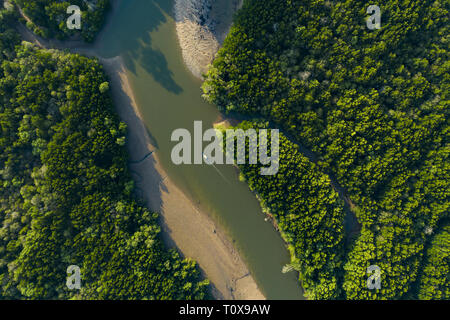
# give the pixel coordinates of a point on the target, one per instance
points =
(202, 26)
(193, 232)
(184, 226)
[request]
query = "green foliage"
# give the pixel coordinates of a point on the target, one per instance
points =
(309, 214)
(435, 279)
(104, 87)
(65, 189)
(372, 105)
(49, 17)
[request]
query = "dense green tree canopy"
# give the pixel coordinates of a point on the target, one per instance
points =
(372, 105)
(309, 213)
(48, 18)
(66, 194)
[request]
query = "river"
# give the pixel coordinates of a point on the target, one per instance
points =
(169, 97)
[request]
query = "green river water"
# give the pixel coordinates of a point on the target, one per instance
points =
(169, 97)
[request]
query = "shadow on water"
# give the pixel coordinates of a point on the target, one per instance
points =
(138, 47)
(140, 31)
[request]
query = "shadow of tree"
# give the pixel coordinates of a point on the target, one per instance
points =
(128, 35)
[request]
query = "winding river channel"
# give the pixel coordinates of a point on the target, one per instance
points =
(169, 97)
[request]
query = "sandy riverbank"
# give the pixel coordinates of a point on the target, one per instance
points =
(184, 226)
(193, 232)
(202, 26)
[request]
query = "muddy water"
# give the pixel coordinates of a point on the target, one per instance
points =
(169, 97)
